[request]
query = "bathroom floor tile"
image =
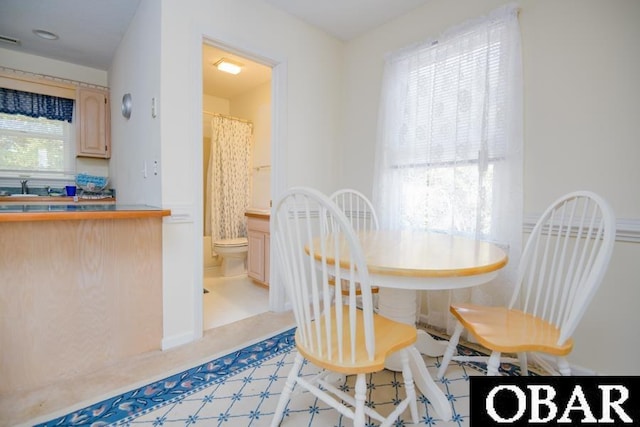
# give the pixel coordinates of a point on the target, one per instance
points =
(231, 299)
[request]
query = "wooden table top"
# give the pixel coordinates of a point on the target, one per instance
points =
(426, 254)
(419, 254)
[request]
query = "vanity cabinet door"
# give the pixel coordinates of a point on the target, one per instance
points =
(93, 124)
(267, 257)
(258, 257)
(256, 254)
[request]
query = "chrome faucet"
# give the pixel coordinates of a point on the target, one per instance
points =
(25, 189)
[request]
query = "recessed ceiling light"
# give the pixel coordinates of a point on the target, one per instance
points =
(47, 35)
(228, 66)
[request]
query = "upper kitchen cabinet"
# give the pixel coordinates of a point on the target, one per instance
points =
(93, 123)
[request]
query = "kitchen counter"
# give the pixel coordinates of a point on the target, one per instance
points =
(80, 288)
(19, 212)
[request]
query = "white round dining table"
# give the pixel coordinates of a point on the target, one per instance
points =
(401, 263)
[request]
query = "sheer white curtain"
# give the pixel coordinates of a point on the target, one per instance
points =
(449, 149)
(228, 178)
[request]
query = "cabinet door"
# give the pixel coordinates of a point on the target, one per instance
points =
(255, 261)
(267, 258)
(93, 123)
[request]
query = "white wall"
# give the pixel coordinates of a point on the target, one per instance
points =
(581, 128)
(161, 56)
(51, 67)
(135, 141)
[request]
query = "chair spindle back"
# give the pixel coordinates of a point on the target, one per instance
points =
(309, 231)
(357, 208)
(565, 259)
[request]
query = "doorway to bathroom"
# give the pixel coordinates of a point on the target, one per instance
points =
(233, 103)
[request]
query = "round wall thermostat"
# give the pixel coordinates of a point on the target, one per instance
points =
(126, 105)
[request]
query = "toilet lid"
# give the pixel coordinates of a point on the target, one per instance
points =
(240, 241)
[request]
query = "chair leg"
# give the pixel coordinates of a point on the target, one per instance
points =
(451, 349)
(288, 389)
(563, 366)
(360, 397)
(375, 302)
(493, 364)
(524, 366)
(409, 386)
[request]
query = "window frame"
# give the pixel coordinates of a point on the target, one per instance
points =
(57, 88)
(69, 153)
(488, 157)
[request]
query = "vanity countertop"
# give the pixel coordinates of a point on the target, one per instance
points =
(258, 213)
(15, 212)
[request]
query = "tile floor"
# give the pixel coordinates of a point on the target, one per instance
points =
(243, 390)
(228, 326)
(231, 299)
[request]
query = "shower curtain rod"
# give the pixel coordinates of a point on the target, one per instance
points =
(228, 117)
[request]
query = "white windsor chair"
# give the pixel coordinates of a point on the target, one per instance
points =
(562, 266)
(308, 231)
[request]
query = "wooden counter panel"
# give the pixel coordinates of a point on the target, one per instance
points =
(71, 212)
(76, 296)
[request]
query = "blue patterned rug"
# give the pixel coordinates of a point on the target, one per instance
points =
(243, 387)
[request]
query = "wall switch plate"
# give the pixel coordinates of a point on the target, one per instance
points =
(154, 107)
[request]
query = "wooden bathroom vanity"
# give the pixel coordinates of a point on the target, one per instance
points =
(259, 240)
(80, 288)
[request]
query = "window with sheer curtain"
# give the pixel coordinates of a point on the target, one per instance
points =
(449, 151)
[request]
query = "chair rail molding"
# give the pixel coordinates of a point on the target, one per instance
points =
(627, 229)
(179, 214)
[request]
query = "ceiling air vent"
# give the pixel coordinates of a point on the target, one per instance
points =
(9, 40)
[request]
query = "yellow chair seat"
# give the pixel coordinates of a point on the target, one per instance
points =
(391, 336)
(510, 331)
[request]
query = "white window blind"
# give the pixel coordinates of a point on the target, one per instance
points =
(38, 147)
(444, 125)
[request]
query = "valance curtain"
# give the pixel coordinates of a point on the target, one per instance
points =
(449, 148)
(35, 105)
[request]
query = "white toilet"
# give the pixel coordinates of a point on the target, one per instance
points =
(234, 255)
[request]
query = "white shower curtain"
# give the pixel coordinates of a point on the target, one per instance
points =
(228, 178)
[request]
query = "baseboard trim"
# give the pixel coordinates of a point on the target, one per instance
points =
(177, 340)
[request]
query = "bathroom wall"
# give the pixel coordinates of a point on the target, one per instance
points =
(255, 106)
